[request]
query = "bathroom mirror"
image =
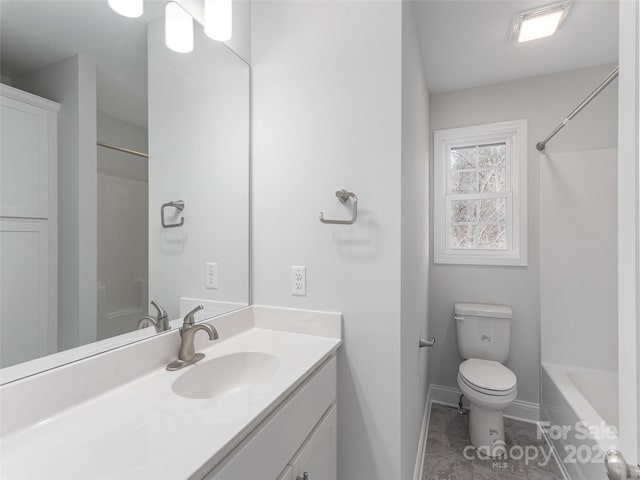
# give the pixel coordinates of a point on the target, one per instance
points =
(125, 179)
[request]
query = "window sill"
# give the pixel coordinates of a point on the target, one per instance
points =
(484, 259)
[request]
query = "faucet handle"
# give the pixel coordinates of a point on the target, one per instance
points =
(189, 317)
(162, 313)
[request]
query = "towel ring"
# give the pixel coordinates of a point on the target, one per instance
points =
(179, 205)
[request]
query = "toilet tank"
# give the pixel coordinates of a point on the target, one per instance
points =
(483, 331)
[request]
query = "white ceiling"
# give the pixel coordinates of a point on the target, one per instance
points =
(467, 43)
(36, 33)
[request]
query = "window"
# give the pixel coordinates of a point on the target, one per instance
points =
(480, 194)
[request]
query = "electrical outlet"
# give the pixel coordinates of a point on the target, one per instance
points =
(212, 275)
(299, 281)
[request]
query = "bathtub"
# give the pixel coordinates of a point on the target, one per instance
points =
(579, 412)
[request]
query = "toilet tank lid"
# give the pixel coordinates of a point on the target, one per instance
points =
(483, 310)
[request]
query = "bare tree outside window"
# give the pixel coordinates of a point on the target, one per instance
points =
(477, 222)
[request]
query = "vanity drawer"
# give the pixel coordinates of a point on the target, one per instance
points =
(317, 458)
(269, 448)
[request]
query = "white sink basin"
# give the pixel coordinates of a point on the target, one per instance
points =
(226, 375)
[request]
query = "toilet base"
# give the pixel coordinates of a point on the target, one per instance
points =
(486, 430)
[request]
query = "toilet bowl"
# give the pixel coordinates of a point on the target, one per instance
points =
(490, 387)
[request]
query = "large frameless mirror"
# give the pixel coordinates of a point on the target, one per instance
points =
(124, 170)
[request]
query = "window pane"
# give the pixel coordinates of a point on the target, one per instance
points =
(491, 235)
(493, 211)
(479, 236)
(488, 165)
(491, 156)
(462, 236)
(463, 157)
(463, 211)
(492, 162)
(493, 180)
(464, 182)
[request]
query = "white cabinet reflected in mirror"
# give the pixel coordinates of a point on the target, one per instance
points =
(82, 243)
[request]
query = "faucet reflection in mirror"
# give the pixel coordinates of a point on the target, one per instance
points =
(216, 16)
(160, 323)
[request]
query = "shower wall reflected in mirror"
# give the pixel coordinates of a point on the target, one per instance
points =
(83, 248)
(122, 223)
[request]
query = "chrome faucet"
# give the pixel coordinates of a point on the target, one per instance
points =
(160, 323)
(187, 354)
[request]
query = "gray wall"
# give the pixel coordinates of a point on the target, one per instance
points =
(199, 117)
(544, 101)
(327, 115)
(415, 239)
(72, 83)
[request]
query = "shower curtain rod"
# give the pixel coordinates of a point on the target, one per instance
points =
(122, 149)
(614, 73)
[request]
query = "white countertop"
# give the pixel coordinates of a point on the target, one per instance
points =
(143, 430)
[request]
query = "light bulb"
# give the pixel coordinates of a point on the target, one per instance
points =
(217, 19)
(127, 8)
(178, 28)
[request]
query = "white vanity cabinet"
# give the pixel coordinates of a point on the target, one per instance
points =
(28, 225)
(316, 459)
(298, 437)
(250, 424)
(317, 456)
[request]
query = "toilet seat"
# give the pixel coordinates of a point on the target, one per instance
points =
(487, 377)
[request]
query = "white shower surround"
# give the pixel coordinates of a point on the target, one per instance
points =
(578, 259)
(578, 306)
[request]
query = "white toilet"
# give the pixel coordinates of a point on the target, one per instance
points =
(484, 337)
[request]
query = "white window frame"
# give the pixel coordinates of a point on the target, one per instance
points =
(514, 134)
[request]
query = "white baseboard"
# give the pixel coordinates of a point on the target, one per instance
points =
(422, 442)
(518, 410)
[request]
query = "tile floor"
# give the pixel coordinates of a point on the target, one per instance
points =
(448, 436)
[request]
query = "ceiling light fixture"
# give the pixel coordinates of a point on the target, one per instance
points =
(217, 19)
(178, 28)
(540, 22)
(127, 8)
